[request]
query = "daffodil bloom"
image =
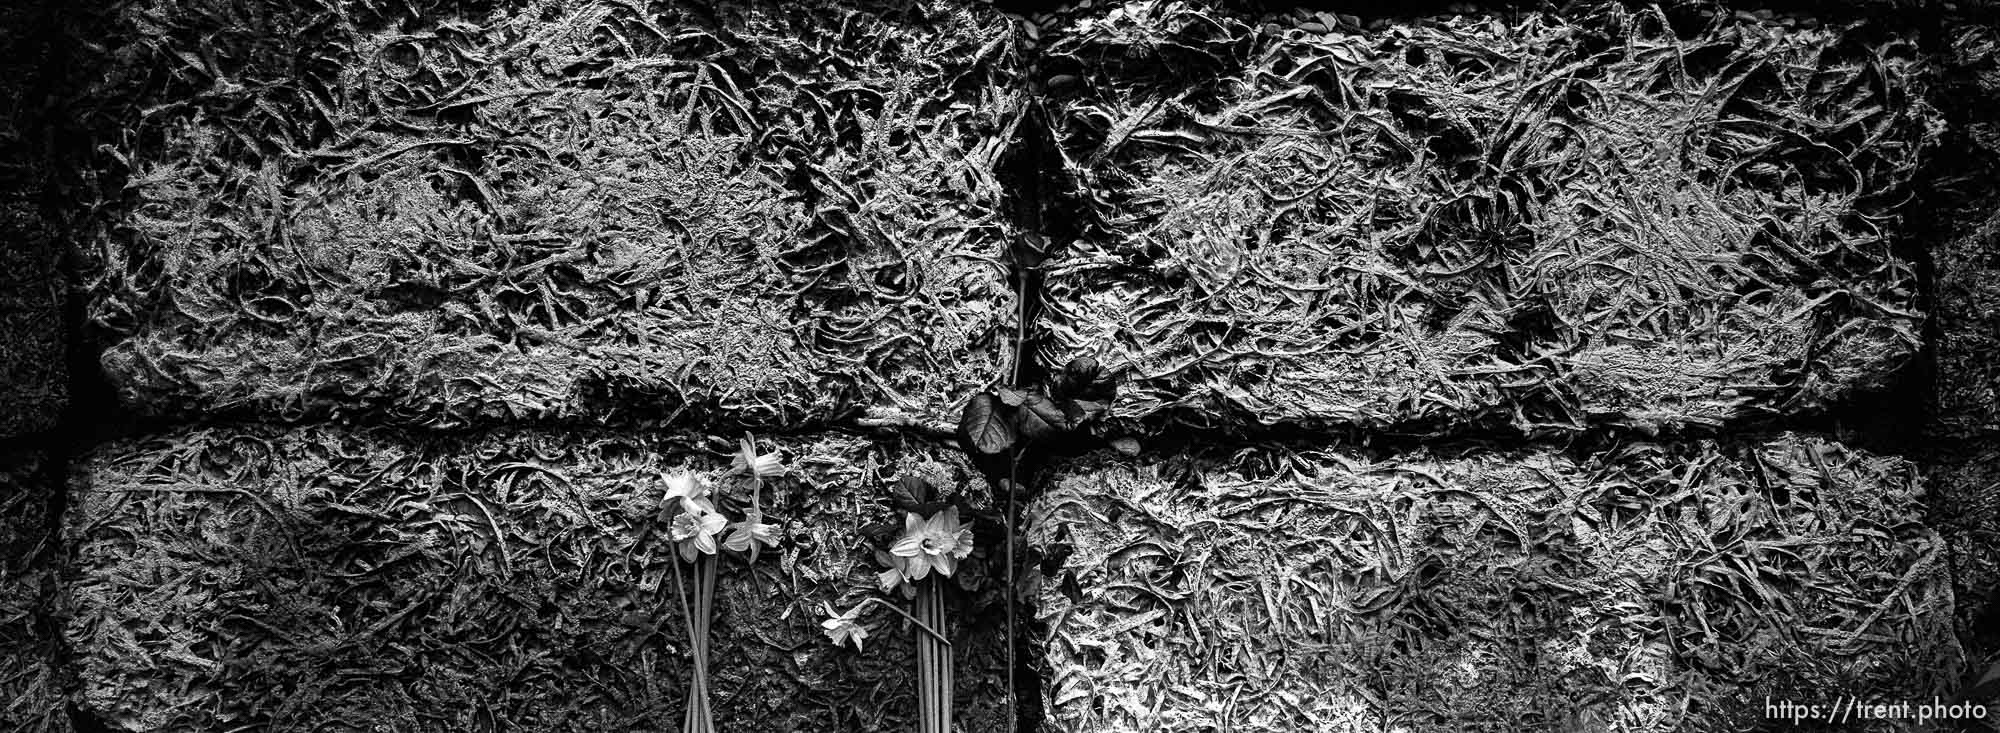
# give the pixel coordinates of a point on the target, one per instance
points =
(939, 542)
(890, 578)
(893, 577)
(751, 534)
(749, 463)
(696, 531)
(691, 491)
(842, 628)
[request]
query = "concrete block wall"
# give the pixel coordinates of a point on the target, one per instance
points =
(1442, 411)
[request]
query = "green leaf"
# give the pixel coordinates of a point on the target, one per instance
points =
(983, 426)
(1083, 378)
(1083, 370)
(1042, 417)
(911, 491)
(1034, 426)
(1081, 412)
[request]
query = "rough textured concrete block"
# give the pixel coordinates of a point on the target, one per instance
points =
(1649, 588)
(753, 213)
(320, 579)
(1548, 221)
(31, 698)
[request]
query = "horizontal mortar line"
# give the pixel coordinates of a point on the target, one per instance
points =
(1387, 441)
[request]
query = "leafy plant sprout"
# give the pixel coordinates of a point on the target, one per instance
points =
(1005, 421)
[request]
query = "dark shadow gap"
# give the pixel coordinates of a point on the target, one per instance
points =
(1034, 185)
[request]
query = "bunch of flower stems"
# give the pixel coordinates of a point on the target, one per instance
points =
(699, 718)
(933, 659)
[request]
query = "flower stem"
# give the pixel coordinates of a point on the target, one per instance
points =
(698, 719)
(926, 668)
(912, 619)
(1013, 471)
(705, 577)
(933, 661)
(1008, 597)
(945, 667)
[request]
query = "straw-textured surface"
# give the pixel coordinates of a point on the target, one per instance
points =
(766, 213)
(31, 345)
(325, 580)
(1650, 588)
(1544, 220)
(30, 691)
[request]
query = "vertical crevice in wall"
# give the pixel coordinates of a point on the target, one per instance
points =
(26, 98)
(1956, 233)
(1025, 174)
(1045, 216)
(92, 414)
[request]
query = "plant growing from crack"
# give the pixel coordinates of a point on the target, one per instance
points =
(1005, 422)
(1006, 419)
(695, 530)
